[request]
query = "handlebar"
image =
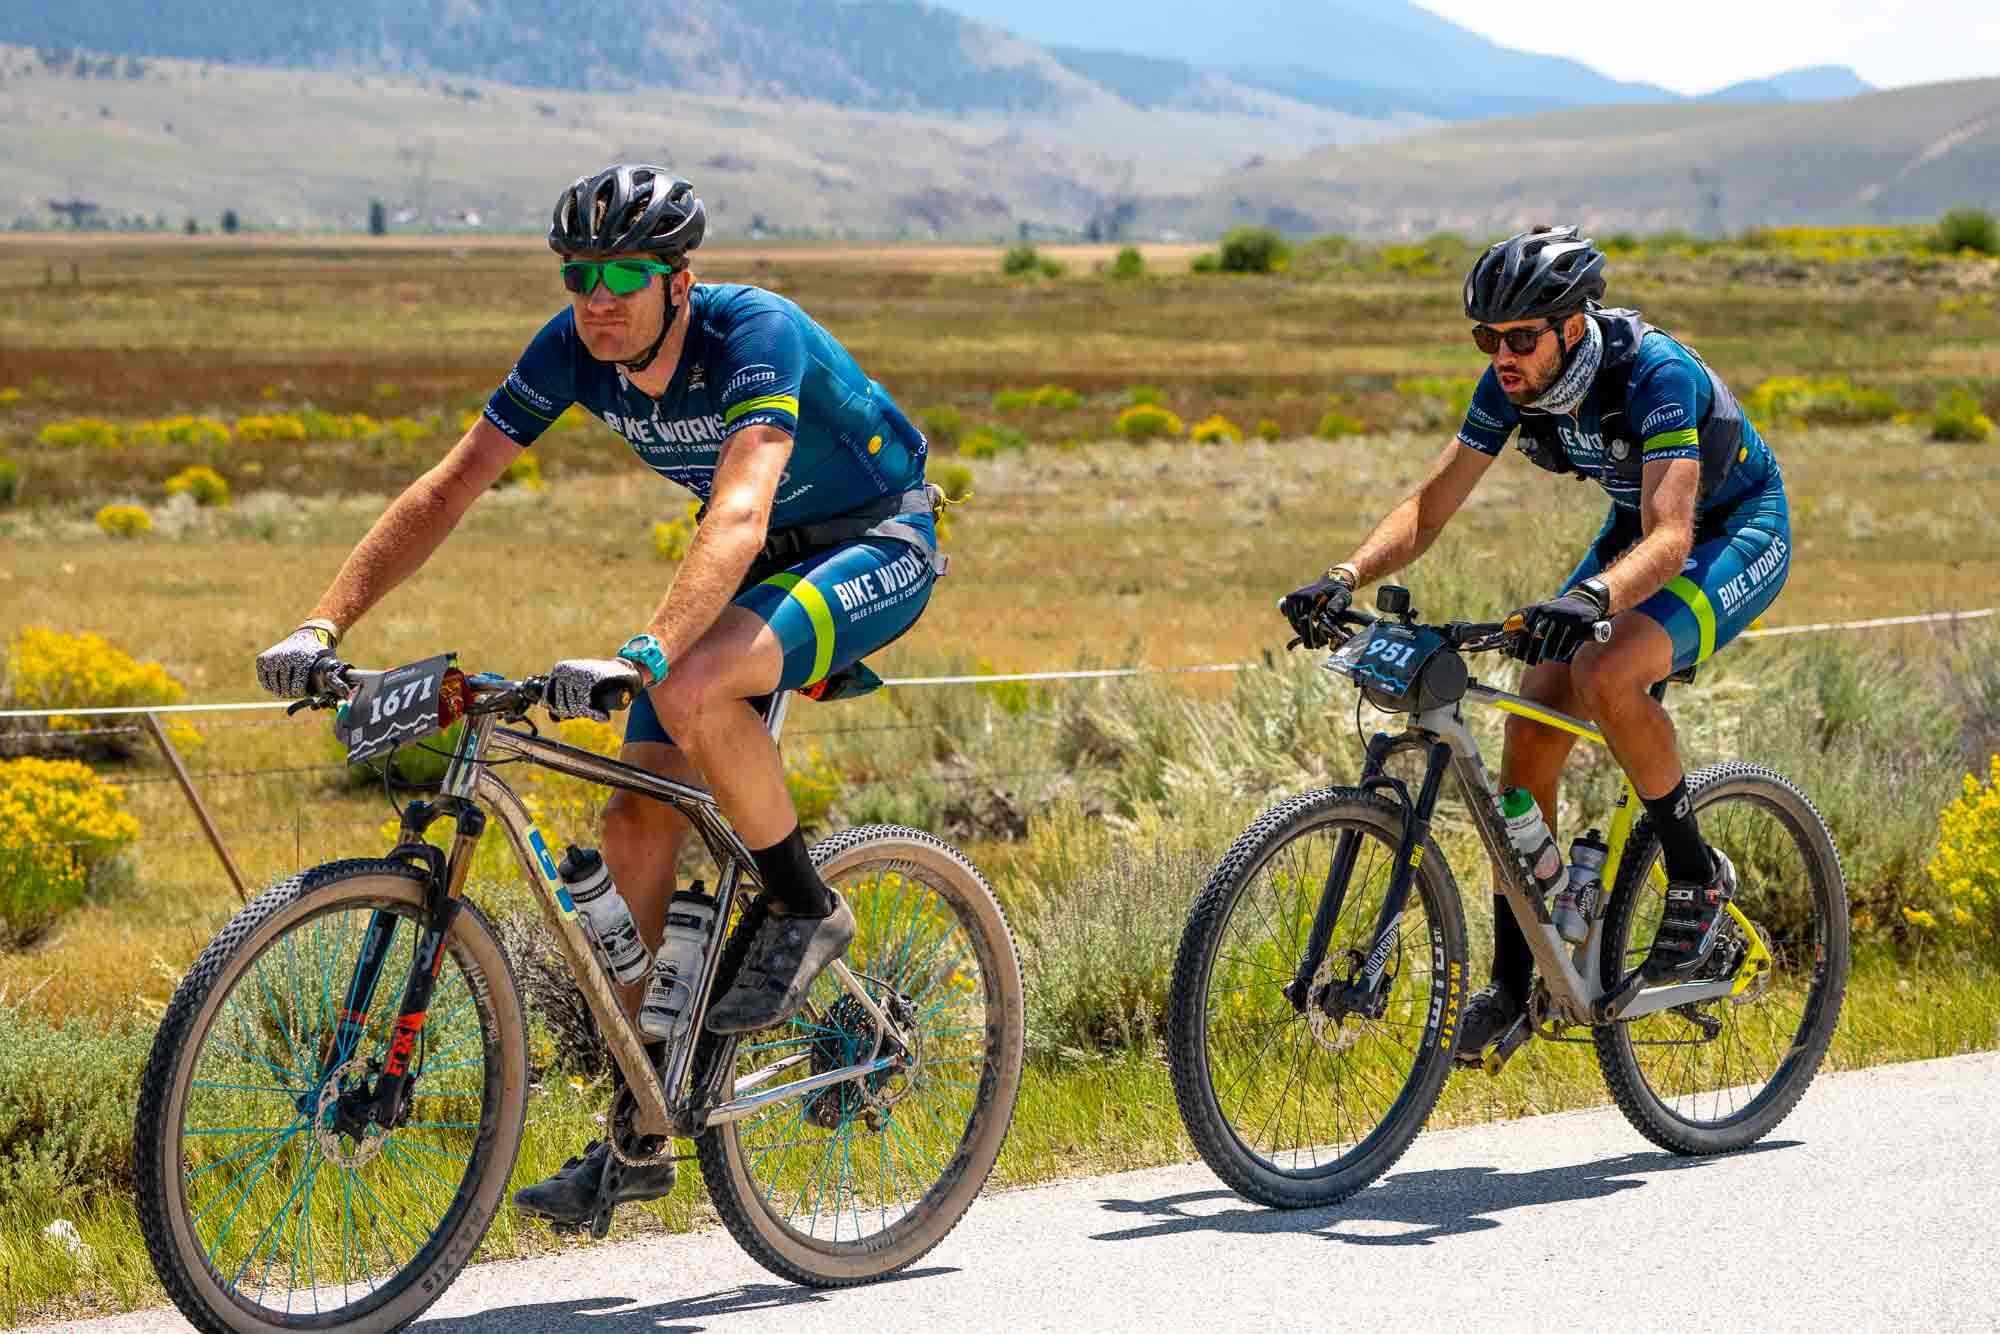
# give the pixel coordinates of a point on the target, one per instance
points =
(1466, 636)
(333, 681)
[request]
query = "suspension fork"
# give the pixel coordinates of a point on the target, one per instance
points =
(1334, 896)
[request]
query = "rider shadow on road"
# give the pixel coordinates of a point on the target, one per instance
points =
(1428, 1205)
(630, 1315)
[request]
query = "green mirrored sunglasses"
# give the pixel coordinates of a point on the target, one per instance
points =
(621, 276)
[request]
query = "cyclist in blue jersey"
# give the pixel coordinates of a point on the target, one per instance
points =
(816, 547)
(1696, 545)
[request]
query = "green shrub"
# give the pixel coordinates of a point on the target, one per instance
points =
(205, 484)
(1253, 250)
(1268, 429)
(1021, 258)
(185, 429)
(1145, 393)
(1964, 229)
(1012, 400)
(66, 1098)
(991, 441)
(942, 424)
(10, 481)
(1336, 424)
(1148, 421)
(1129, 264)
(1206, 262)
(1215, 430)
(1958, 417)
(955, 479)
(1051, 268)
(124, 521)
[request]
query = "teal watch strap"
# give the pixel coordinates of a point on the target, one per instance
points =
(645, 653)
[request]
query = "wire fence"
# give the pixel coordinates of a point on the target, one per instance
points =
(146, 726)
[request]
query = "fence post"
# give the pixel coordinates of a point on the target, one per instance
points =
(194, 800)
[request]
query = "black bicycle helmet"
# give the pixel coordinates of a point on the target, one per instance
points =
(1545, 272)
(626, 209)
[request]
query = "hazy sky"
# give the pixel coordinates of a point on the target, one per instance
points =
(1694, 46)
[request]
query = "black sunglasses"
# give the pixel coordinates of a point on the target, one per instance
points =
(1519, 341)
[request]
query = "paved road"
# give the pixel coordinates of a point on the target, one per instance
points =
(1872, 1207)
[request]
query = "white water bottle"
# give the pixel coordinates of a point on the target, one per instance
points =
(607, 922)
(1529, 834)
(668, 1009)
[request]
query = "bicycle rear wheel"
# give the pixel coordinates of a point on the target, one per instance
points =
(1299, 1109)
(855, 1181)
(266, 1200)
(1717, 1076)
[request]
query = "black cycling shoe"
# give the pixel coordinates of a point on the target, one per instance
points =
(572, 1195)
(1692, 924)
(788, 953)
(1489, 1012)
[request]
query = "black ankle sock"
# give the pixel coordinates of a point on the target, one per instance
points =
(1681, 847)
(1513, 965)
(789, 877)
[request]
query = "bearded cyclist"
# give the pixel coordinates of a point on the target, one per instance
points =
(1696, 545)
(817, 546)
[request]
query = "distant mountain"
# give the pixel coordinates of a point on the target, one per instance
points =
(1817, 83)
(1336, 53)
(881, 54)
(1903, 155)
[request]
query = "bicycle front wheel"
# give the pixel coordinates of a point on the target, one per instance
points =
(268, 1199)
(857, 1180)
(1299, 1109)
(1718, 1075)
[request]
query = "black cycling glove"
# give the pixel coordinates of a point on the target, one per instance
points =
(1304, 606)
(1555, 629)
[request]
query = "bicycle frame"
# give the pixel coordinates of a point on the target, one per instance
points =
(470, 788)
(1569, 972)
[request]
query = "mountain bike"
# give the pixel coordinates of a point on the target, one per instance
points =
(332, 1107)
(1315, 997)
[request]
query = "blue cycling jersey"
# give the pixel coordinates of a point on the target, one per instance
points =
(752, 358)
(1655, 404)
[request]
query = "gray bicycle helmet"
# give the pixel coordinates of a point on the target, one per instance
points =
(1545, 272)
(626, 209)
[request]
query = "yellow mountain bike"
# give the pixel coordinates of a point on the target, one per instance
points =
(1315, 998)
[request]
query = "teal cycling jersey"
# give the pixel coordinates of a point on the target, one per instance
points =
(751, 358)
(1653, 400)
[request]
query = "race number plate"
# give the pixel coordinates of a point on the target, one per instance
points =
(396, 708)
(1389, 658)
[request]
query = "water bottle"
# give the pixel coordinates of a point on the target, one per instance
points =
(668, 1009)
(1576, 904)
(607, 922)
(1529, 834)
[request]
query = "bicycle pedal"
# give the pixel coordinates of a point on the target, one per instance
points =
(1494, 1055)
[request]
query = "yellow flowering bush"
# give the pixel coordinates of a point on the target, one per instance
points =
(60, 824)
(270, 428)
(81, 431)
(205, 484)
(182, 430)
(50, 670)
(1216, 430)
(525, 472)
(815, 784)
(9, 396)
(1268, 429)
(124, 520)
(337, 425)
(672, 537)
(1967, 863)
